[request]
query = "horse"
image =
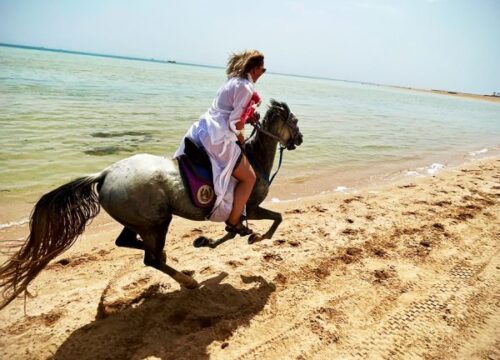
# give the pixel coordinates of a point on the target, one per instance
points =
(142, 193)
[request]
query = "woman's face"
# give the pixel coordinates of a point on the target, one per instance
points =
(257, 72)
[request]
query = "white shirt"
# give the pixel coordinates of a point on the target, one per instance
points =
(216, 132)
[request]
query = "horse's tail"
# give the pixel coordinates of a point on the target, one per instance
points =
(56, 221)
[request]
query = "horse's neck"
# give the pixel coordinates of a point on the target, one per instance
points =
(263, 151)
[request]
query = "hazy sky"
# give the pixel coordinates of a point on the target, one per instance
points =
(439, 44)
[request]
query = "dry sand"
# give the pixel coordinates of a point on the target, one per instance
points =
(404, 271)
(490, 98)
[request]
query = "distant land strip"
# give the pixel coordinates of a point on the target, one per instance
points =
(41, 48)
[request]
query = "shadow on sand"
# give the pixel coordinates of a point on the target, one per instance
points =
(178, 325)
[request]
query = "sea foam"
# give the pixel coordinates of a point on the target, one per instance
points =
(434, 169)
(342, 189)
(482, 151)
(14, 223)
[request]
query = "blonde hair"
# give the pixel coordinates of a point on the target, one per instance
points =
(240, 64)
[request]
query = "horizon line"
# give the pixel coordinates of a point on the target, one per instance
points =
(161, 61)
(88, 53)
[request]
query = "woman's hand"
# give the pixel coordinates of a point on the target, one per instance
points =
(255, 118)
(241, 139)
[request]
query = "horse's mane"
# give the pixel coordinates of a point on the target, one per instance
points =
(273, 109)
(277, 105)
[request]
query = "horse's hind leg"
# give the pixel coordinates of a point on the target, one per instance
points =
(154, 241)
(128, 238)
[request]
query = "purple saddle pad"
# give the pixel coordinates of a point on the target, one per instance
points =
(198, 181)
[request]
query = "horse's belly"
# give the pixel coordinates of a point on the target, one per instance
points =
(145, 188)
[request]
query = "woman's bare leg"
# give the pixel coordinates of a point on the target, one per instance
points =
(246, 180)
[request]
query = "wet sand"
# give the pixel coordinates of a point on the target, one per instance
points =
(406, 270)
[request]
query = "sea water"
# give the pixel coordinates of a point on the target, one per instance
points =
(66, 115)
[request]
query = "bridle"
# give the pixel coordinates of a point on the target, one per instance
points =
(257, 127)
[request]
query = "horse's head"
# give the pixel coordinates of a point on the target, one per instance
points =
(282, 123)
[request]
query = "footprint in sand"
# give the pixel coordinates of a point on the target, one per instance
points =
(438, 226)
(272, 256)
(279, 242)
(234, 264)
(352, 254)
(381, 275)
(77, 260)
(352, 232)
(294, 243)
(442, 203)
(294, 211)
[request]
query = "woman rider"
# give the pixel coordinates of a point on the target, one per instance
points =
(220, 132)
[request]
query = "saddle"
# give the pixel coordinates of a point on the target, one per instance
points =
(196, 172)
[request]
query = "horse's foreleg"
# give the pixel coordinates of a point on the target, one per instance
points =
(185, 280)
(154, 241)
(128, 238)
(203, 241)
(259, 213)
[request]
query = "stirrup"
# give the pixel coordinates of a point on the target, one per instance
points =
(239, 229)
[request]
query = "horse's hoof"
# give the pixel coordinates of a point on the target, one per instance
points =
(192, 284)
(188, 272)
(255, 237)
(185, 279)
(201, 242)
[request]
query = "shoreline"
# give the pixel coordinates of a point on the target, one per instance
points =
(349, 180)
(15, 208)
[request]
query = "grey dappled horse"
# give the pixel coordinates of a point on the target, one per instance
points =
(142, 193)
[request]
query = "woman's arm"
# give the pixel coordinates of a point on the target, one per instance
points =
(242, 95)
(240, 125)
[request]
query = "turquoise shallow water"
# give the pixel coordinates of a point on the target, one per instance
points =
(64, 115)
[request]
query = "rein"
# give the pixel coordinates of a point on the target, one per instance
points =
(258, 127)
(257, 167)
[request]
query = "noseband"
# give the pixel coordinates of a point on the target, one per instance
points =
(257, 126)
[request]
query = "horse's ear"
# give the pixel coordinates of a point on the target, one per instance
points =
(285, 106)
(280, 105)
(274, 103)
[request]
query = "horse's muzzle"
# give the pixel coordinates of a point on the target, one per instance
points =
(295, 141)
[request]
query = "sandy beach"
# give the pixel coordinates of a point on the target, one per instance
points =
(467, 95)
(407, 270)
